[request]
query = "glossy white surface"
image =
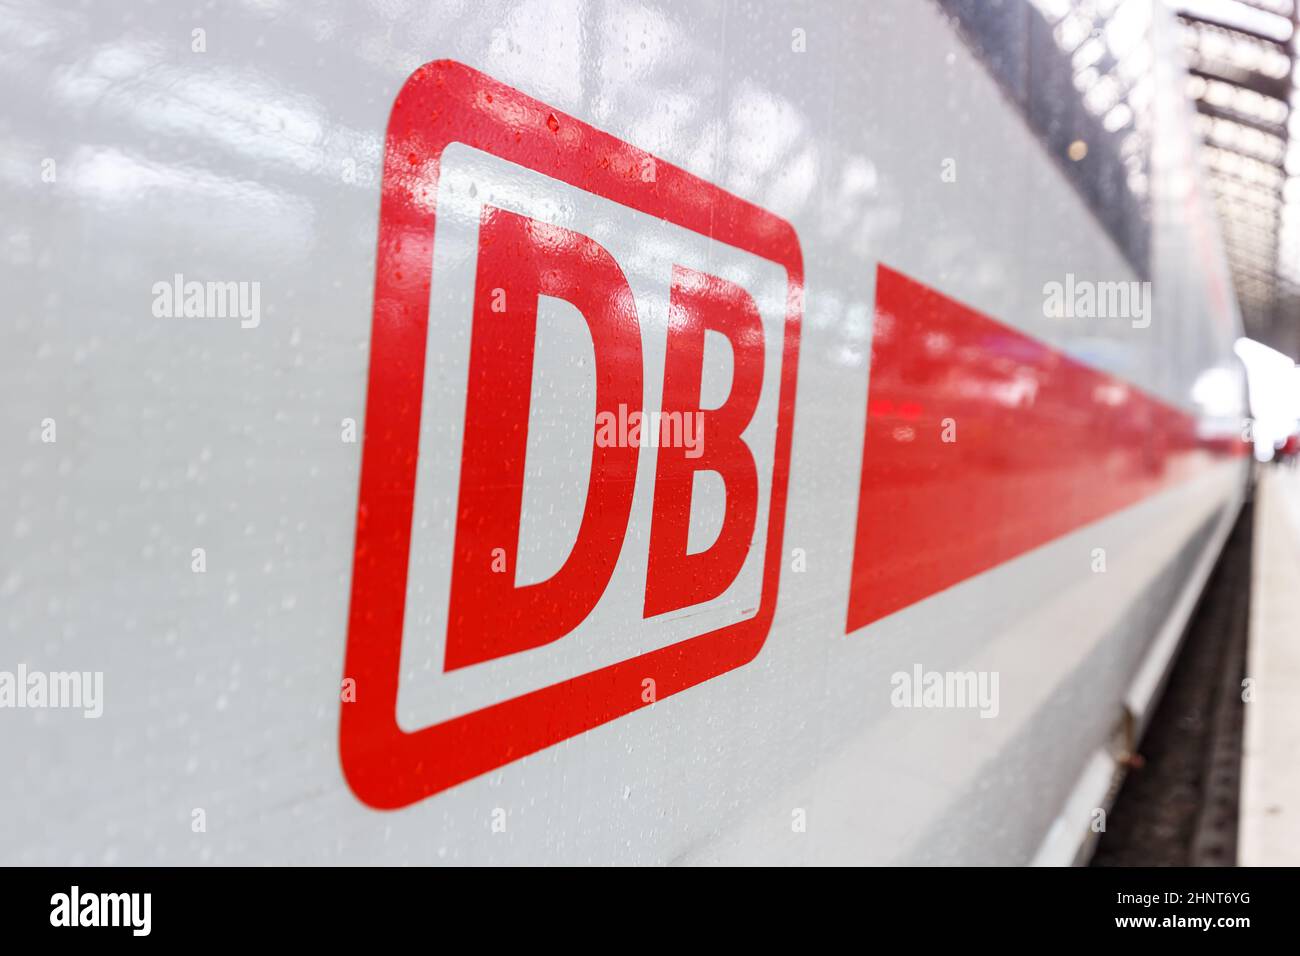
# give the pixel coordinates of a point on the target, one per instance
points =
(257, 160)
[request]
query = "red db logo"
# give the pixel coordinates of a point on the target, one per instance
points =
(577, 436)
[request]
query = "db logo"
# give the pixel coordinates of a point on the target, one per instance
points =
(577, 436)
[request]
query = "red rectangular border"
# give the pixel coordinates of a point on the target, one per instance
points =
(444, 102)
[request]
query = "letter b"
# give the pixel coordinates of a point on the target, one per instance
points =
(674, 578)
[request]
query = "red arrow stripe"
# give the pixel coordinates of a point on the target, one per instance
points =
(1039, 445)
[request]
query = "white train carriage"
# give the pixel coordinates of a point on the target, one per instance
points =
(625, 431)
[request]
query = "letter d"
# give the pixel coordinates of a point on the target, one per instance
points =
(488, 616)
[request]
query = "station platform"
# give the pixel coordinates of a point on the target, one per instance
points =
(1269, 832)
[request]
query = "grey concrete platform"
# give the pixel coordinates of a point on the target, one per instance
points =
(1269, 832)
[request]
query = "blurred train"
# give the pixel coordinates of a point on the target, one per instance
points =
(599, 431)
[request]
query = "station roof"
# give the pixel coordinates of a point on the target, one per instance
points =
(1242, 78)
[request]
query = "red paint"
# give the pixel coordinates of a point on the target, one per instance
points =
(1044, 445)
(675, 579)
(444, 102)
(490, 617)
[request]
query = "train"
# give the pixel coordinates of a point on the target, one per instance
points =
(600, 431)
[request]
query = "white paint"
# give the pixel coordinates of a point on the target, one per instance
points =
(222, 689)
(557, 466)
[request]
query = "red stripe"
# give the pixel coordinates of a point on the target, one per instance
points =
(1043, 445)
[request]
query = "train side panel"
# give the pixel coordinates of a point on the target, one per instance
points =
(981, 480)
